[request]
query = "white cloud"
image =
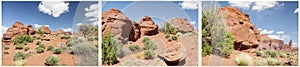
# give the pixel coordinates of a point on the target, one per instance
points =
(54, 8)
(78, 24)
(67, 29)
(4, 28)
(263, 5)
(92, 13)
(280, 32)
(254, 5)
(296, 10)
(189, 5)
(241, 4)
(285, 37)
(193, 22)
(265, 31)
(259, 29)
(274, 36)
(38, 26)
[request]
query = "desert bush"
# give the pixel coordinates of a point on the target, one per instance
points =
(243, 59)
(261, 62)
(19, 62)
(49, 48)
(19, 56)
(87, 30)
(20, 46)
(65, 37)
(169, 29)
(40, 31)
(271, 61)
(271, 53)
(91, 38)
(52, 61)
(38, 42)
(148, 54)
(206, 49)
(87, 53)
(6, 47)
(26, 48)
(282, 55)
(58, 51)
(228, 45)
(42, 46)
(168, 35)
(134, 47)
(149, 45)
(39, 50)
(109, 55)
(174, 37)
(22, 39)
(145, 39)
(259, 53)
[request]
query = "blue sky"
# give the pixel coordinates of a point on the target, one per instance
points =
(32, 12)
(276, 18)
(166, 10)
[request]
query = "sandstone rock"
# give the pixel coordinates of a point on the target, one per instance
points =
(182, 25)
(45, 29)
(61, 32)
(244, 32)
(267, 43)
(7, 38)
(174, 55)
(135, 32)
(18, 25)
(148, 27)
(31, 30)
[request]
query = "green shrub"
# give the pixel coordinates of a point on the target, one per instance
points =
(206, 49)
(148, 54)
(168, 35)
(109, 55)
(52, 61)
(40, 31)
(42, 46)
(19, 62)
(20, 46)
(26, 48)
(229, 45)
(134, 47)
(19, 56)
(49, 48)
(38, 42)
(87, 30)
(282, 55)
(91, 38)
(39, 50)
(261, 62)
(58, 51)
(259, 53)
(149, 45)
(271, 61)
(22, 39)
(145, 39)
(6, 47)
(174, 37)
(169, 29)
(243, 59)
(65, 37)
(87, 53)
(271, 53)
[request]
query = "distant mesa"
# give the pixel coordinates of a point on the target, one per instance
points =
(19, 28)
(246, 35)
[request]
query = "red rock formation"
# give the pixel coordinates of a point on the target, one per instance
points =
(148, 27)
(17, 28)
(61, 32)
(244, 32)
(182, 25)
(31, 30)
(267, 43)
(45, 29)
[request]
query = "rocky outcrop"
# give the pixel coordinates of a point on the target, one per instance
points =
(45, 29)
(123, 29)
(174, 54)
(244, 32)
(61, 32)
(17, 28)
(147, 26)
(182, 25)
(31, 30)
